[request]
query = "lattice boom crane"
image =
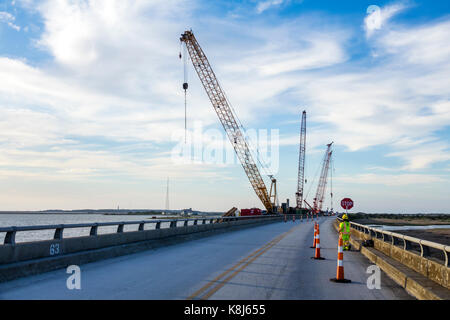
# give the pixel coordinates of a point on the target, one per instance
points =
(318, 200)
(226, 117)
(301, 163)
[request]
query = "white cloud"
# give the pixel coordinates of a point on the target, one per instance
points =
(315, 55)
(264, 5)
(420, 45)
(391, 179)
(424, 155)
(9, 19)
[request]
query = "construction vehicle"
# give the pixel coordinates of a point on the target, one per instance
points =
(226, 116)
(320, 193)
(230, 213)
(301, 163)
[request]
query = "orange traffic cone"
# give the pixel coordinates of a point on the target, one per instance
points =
(317, 253)
(315, 231)
(340, 264)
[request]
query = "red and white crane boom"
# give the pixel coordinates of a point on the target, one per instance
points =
(318, 200)
(301, 163)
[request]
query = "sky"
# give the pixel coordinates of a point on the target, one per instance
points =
(92, 106)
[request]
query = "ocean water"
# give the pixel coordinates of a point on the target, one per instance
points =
(8, 220)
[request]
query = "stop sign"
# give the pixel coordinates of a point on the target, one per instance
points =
(347, 203)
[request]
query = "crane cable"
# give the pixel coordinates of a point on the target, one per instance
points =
(311, 184)
(185, 87)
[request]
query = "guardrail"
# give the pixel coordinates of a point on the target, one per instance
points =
(104, 240)
(10, 237)
(396, 238)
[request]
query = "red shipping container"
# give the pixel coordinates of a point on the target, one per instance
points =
(251, 212)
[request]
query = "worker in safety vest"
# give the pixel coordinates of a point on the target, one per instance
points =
(344, 230)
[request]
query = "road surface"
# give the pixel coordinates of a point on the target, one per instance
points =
(265, 262)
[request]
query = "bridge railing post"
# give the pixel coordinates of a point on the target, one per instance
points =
(394, 240)
(446, 255)
(94, 229)
(120, 227)
(406, 244)
(141, 226)
(158, 225)
(424, 250)
(58, 233)
(10, 237)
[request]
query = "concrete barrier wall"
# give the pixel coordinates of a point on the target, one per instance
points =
(11, 253)
(25, 259)
(431, 269)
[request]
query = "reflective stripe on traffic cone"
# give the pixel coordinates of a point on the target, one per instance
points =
(315, 233)
(340, 264)
(317, 253)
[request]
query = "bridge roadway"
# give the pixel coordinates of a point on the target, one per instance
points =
(265, 262)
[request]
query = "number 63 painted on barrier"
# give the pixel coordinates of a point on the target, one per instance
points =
(54, 249)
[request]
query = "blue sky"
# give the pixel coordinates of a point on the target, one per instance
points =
(92, 104)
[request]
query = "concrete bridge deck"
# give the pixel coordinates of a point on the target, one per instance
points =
(264, 262)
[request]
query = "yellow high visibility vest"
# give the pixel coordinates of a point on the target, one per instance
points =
(344, 227)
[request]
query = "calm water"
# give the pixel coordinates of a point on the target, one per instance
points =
(7, 220)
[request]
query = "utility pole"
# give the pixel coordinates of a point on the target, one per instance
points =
(167, 195)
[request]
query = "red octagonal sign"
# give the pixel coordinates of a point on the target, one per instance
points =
(347, 203)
